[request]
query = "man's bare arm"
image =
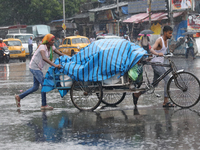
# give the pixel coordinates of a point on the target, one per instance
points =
(155, 46)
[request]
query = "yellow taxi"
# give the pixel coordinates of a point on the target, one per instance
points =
(16, 49)
(73, 44)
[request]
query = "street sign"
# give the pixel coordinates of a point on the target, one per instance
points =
(64, 26)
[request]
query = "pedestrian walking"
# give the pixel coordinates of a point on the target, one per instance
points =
(145, 43)
(30, 46)
(42, 56)
(189, 44)
(63, 38)
(159, 49)
(57, 42)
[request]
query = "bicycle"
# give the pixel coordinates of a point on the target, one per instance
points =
(183, 88)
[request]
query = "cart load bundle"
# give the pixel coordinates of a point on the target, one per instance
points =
(98, 61)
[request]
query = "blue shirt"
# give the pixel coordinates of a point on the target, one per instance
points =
(30, 42)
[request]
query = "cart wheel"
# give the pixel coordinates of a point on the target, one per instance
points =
(84, 95)
(113, 99)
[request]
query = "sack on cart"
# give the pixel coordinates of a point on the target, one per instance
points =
(136, 75)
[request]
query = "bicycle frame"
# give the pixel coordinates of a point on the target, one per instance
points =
(171, 69)
(163, 75)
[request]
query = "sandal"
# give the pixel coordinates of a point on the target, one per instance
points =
(17, 99)
(135, 99)
(169, 104)
(47, 107)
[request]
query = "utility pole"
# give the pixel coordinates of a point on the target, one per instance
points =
(171, 14)
(149, 3)
(118, 19)
(64, 16)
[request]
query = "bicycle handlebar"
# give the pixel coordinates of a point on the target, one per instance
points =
(149, 56)
(165, 55)
(168, 55)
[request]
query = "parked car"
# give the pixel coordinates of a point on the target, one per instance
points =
(24, 39)
(16, 49)
(73, 44)
(107, 37)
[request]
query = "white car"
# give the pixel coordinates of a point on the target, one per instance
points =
(24, 38)
(107, 37)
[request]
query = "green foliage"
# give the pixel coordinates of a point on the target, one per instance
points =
(36, 11)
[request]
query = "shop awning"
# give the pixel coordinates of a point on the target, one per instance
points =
(136, 18)
(176, 14)
(161, 16)
(155, 16)
(109, 7)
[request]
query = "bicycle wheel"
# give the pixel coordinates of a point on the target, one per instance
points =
(113, 99)
(84, 95)
(183, 89)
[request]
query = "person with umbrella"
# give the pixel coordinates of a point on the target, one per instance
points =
(145, 43)
(145, 39)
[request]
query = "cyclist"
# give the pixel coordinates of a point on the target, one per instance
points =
(159, 49)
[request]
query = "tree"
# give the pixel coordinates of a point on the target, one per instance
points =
(35, 11)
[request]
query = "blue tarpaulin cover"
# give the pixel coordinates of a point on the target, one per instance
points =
(98, 61)
(102, 1)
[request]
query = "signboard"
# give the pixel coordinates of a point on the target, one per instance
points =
(181, 4)
(92, 16)
(64, 26)
(193, 22)
(68, 25)
(105, 15)
(141, 6)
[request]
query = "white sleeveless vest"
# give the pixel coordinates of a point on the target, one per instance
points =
(163, 50)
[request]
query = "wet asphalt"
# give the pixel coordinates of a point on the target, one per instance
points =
(123, 127)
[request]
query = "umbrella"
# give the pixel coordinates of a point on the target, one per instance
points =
(189, 33)
(39, 37)
(147, 32)
(143, 34)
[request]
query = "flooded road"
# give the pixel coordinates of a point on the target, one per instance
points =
(149, 127)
